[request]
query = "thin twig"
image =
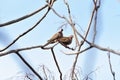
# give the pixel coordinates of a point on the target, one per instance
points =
(87, 77)
(50, 3)
(73, 53)
(47, 73)
(24, 49)
(25, 32)
(54, 57)
(88, 29)
(110, 65)
(22, 18)
(90, 22)
(75, 62)
(70, 21)
(95, 24)
(27, 64)
(91, 46)
(67, 20)
(43, 67)
(95, 19)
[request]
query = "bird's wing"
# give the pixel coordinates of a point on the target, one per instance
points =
(55, 36)
(64, 39)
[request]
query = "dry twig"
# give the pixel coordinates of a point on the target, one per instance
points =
(29, 66)
(22, 18)
(24, 33)
(88, 29)
(111, 70)
(54, 57)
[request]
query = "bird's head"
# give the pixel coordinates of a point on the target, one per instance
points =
(71, 36)
(60, 32)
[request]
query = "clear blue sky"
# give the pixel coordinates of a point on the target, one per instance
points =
(108, 36)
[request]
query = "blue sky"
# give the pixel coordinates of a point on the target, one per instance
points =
(107, 36)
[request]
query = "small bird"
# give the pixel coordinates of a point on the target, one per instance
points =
(54, 38)
(65, 41)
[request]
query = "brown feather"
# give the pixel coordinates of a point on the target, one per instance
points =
(65, 40)
(54, 38)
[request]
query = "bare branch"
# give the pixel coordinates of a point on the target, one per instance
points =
(22, 76)
(88, 29)
(67, 20)
(25, 32)
(47, 73)
(77, 74)
(112, 72)
(95, 19)
(90, 22)
(30, 28)
(87, 77)
(54, 57)
(26, 48)
(95, 24)
(79, 44)
(50, 3)
(79, 52)
(75, 62)
(22, 18)
(70, 21)
(27, 76)
(29, 66)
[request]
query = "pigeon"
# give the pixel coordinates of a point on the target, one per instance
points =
(65, 41)
(54, 38)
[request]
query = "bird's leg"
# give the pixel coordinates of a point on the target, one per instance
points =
(70, 48)
(65, 46)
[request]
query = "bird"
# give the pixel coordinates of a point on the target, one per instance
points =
(54, 38)
(65, 41)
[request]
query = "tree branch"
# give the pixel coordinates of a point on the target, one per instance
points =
(56, 63)
(31, 27)
(22, 18)
(25, 32)
(70, 21)
(110, 65)
(88, 29)
(95, 19)
(28, 65)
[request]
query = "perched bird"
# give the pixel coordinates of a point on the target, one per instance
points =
(54, 38)
(65, 41)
